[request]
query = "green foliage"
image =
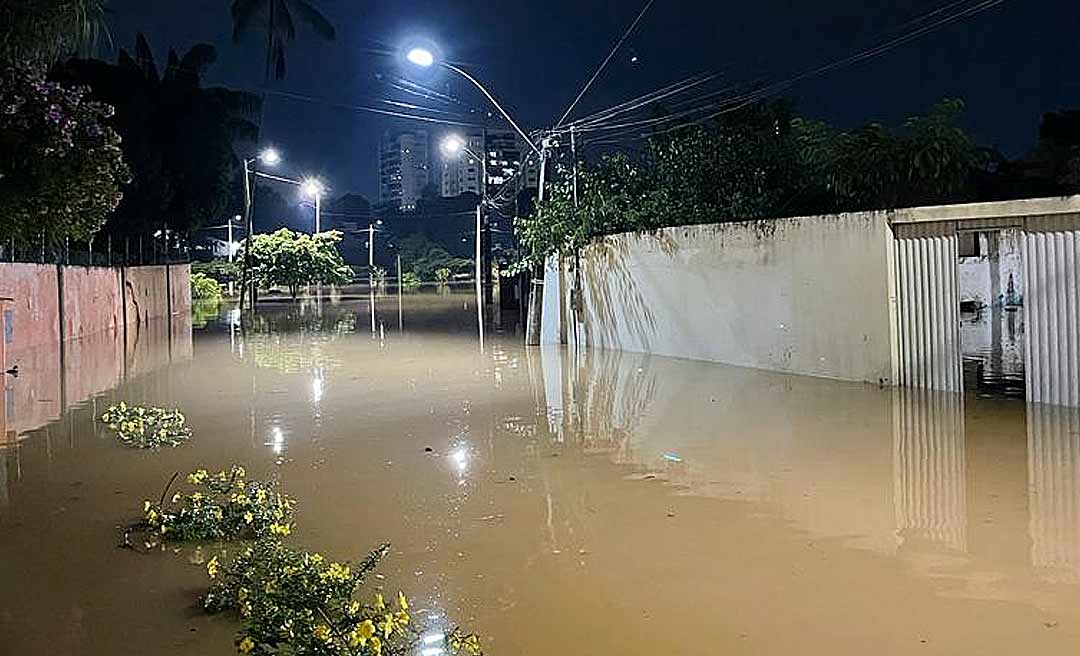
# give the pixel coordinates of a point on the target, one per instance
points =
(756, 163)
(929, 160)
(205, 288)
(298, 603)
(424, 257)
(224, 506)
(43, 31)
(294, 259)
(378, 277)
(443, 274)
(410, 281)
(278, 18)
(61, 168)
(146, 428)
(222, 271)
(203, 312)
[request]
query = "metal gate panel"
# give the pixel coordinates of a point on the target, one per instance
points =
(1052, 316)
(928, 315)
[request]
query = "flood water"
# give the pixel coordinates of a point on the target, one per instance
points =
(600, 503)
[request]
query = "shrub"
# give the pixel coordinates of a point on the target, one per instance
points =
(222, 271)
(299, 603)
(205, 288)
(146, 428)
(410, 281)
(224, 506)
(443, 274)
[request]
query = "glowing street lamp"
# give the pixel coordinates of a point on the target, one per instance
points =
(269, 157)
(421, 57)
(425, 58)
(452, 146)
(313, 188)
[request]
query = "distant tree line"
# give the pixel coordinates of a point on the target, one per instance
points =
(763, 161)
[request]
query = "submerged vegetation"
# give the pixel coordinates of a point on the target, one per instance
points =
(223, 506)
(146, 428)
(299, 603)
(291, 602)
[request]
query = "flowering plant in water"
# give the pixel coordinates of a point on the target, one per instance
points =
(146, 428)
(299, 603)
(224, 506)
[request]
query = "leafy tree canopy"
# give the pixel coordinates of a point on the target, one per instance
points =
(61, 168)
(295, 259)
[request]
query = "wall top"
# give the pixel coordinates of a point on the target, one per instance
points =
(995, 210)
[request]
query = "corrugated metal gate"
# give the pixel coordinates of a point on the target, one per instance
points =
(928, 299)
(1052, 311)
(928, 308)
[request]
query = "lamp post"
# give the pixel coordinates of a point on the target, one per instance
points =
(269, 157)
(424, 58)
(313, 188)
(453, 146)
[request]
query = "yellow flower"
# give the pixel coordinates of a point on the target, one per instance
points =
(248, 517)
(354, 607)
(376, 646)
(246, 645)
(387, 625)
(317, 558)
(322, 632)
(280, 529)
(146, 506)
(197, 477)
(379, 603)
(402, 618)
(212, 567)
(402, 601)
(361, 633)
(337, 572)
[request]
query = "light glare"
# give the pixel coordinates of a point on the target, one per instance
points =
(270, 157)
(421, 57)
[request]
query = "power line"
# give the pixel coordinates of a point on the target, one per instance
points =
(607, 59)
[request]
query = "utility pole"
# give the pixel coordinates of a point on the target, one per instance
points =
(400, 313)
(371, 273)
(536, 293)
(479, 277)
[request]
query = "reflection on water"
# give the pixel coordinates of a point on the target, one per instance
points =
(567, 502)
(992, 344)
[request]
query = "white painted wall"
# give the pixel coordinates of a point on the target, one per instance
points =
(803, 295)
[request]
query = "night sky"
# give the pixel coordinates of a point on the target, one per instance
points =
(1010, 64)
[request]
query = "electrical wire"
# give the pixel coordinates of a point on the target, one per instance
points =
(604, 64)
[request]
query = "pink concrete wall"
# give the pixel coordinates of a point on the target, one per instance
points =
(35, 304)
(146, 294)
(180, 279)
(91, 301)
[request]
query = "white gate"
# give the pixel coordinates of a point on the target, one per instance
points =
(1052, 311)
(928, 306)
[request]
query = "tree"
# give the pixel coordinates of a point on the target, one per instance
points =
(61, 169)
(41, 32)
(178, 136)
(424, 257)
(277, 18)
(294, 259)
(929, 160)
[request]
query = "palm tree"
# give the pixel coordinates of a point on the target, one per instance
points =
(278, 18)
(46, 31)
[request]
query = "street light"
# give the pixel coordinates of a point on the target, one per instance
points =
(270, 157)
(452, 146)
(425, 58)
(313, 188)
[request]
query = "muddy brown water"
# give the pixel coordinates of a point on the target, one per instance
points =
(605, 503)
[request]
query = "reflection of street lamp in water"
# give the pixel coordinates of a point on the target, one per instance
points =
(452, 147)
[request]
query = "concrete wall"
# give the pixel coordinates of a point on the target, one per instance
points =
(802, 295)
(92, 300)
(92, 304)
(35, 303)
(147, 293)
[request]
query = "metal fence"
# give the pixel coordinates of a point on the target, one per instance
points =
(103, 250)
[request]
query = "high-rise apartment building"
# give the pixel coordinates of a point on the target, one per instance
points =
(403, 168)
